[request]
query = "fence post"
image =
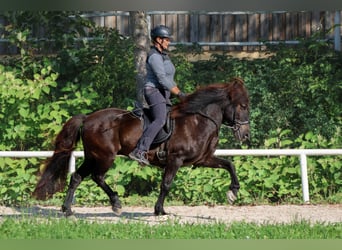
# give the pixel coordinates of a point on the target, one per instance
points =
(72, 163)
(304, 174)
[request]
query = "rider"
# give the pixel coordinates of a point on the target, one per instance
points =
(159, 86)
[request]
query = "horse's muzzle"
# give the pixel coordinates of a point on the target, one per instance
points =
(242, 131)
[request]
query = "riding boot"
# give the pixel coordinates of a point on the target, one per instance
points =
(140, 156)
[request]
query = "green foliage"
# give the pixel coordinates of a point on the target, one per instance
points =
(31, 118)
(20, 106)
(184, 73)
(294, 104)
(200, 185)
(295, 87)
(31, 115)
(44, 31)
(324, 173)
(17, 180)
(104, 64)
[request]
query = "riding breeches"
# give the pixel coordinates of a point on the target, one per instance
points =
(157, 105)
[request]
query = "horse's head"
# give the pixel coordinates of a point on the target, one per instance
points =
(236, 113)
(231, 98)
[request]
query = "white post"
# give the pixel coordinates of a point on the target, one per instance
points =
(304, 173)
(72, 163)
(337, 36)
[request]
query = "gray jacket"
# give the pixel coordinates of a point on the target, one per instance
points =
(160, 70)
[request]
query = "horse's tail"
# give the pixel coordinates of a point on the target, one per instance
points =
(53, 177)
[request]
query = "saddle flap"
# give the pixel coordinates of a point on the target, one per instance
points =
(165, 132)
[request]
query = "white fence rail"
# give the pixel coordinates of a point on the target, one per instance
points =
(301, 153)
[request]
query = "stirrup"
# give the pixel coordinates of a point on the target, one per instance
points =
(139, 156)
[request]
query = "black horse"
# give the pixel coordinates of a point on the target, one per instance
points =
(110, 132)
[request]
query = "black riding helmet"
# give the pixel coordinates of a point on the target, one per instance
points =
(161, 31)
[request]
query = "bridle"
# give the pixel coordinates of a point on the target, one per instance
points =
(236, 127)
(236, 124)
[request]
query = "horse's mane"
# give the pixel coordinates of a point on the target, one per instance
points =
(234, 92)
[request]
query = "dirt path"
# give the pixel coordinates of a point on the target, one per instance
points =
(195, 214)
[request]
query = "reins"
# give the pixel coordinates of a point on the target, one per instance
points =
(208, 117)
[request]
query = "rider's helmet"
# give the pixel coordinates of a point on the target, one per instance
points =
(161, 31)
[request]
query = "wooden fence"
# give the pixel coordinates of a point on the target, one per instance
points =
(229, 30)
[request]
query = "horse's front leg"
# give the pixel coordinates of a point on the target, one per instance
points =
(168, 176)
(229, 166)
(234, 185)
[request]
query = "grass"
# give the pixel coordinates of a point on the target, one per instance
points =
(53, 228)
(50, 227)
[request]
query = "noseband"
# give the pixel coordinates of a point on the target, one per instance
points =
(236, 124)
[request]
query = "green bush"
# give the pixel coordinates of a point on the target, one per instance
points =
(17, 179)
(105, 65)
(294, 88)
(262, 179)
(294, 104)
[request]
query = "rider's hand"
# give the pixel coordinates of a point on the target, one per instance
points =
(181, 96)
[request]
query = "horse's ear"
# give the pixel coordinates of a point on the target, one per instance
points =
(238, 93)
(237, 80)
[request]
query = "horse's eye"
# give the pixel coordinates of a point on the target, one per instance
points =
(243, 106)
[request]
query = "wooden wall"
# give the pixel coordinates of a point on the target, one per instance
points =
(238, 29)
(243, 27)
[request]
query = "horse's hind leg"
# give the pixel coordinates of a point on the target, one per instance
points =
(98, 176)
(113, 196)
(75, 180)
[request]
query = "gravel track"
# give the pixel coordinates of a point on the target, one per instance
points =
(262, 214)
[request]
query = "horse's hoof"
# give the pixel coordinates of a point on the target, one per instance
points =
(159, 213)
(231, 197)
(117, 211)
(67, 211)
(64, 209)
(71, 217)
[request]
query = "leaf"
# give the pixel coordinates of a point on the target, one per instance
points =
(285, 143)
(23, 112)
(309, 135)
(3, 190)
(290, 170)
(36, 93)
(207, 188)
(285, 132)
(46, 89)
(37, 76)
(120, 189)
(271, 141)
(44, 71)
